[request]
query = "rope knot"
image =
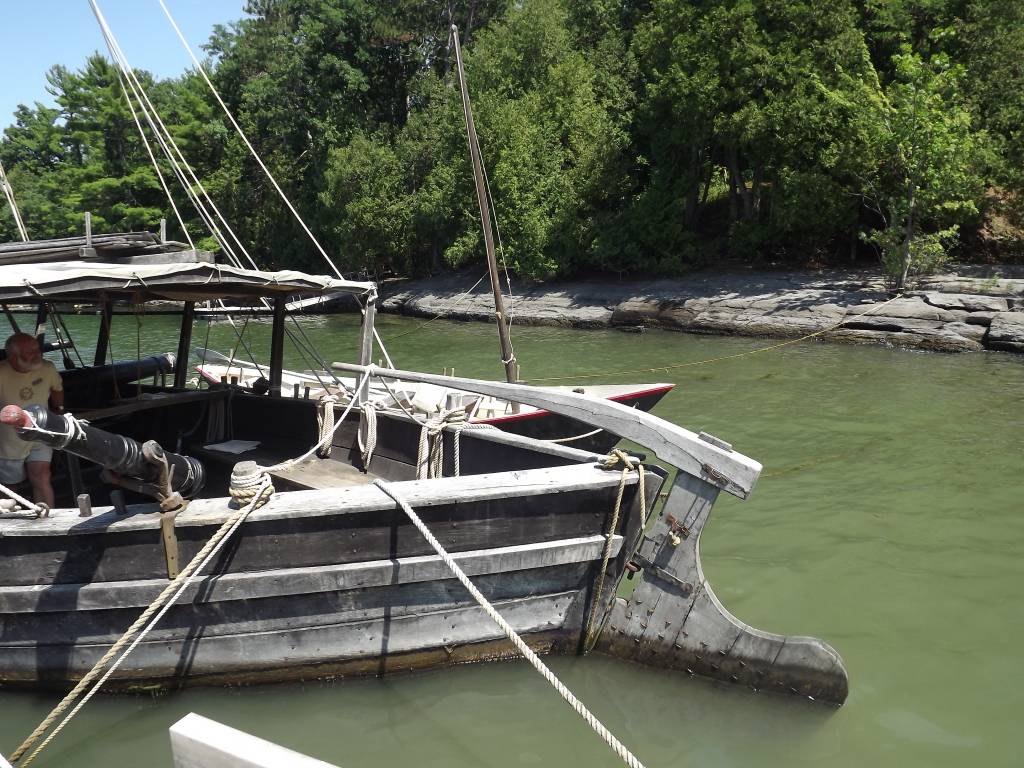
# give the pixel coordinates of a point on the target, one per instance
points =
(628, 463)
(250, 484)
(619, 456)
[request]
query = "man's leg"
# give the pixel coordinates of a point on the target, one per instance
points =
(39, 477)
(12, 474)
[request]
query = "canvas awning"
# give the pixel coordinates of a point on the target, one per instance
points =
(89, 282)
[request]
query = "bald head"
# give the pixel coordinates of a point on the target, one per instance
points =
(23, 353)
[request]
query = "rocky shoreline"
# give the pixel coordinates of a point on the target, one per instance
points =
(965, 310)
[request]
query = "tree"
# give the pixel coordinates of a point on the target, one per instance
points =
(932, 174)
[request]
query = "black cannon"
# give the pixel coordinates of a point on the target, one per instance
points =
(96, 385)
(146, 468)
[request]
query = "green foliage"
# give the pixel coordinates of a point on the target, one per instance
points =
(934, 161)
(618, 136)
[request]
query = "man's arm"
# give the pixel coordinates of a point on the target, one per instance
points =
(56, 400)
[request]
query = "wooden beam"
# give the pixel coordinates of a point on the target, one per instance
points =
(508, 359)
(41, 313)
(198, 742)
(277, 346)
(103, 338)
(329, 501)
(732, 472)
(184, 342)
(139, 593)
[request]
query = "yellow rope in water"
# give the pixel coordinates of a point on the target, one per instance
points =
(440, 314)
(673, 366)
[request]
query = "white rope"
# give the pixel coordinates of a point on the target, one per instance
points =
(12, 203)
(325, 423)
(574, 437)
(510, 633)
(159, 607)
(324, 439)
(368, 441)
(39, 510)
(270, 176)
(241, 133)
(430, 457)
(629, 463)
(166, 140)
(152, 159)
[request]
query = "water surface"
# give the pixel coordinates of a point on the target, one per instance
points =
(888, 521)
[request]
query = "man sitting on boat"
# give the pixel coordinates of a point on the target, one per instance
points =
(27, 379)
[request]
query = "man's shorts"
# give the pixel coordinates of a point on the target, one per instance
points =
(13, 470)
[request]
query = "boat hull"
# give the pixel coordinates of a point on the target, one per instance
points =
(317, 583)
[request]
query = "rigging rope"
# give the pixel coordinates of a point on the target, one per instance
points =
(611, 461)
(510, 633)
(367, 442)
(152, 159)
(325, 422)
(252, 491)
(146, 621)
(440, 314)
(266, 170)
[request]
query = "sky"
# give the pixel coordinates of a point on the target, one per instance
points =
(37, 34)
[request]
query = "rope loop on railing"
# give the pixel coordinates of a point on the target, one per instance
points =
(366, 435)
(629, 463)
(325, 423)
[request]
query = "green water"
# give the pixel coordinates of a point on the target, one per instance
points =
(888, 520)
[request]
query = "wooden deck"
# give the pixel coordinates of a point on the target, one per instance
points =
(312, 474)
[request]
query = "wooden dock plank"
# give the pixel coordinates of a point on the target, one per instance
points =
(198, 742)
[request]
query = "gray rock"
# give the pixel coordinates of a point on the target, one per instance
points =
(1006, 332)
(966, 301)
(952, 313)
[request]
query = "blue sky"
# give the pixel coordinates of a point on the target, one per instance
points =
(36, 34)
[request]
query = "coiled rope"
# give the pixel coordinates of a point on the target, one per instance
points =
(368, 425)
(610, 462)
(38, 510)
(325, 422)
(430, 456)
(627, 757)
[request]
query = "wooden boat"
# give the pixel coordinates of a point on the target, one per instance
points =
(329, 577)
(427, 399)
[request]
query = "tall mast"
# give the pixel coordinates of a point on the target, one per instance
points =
(508, 357)
(9, 194)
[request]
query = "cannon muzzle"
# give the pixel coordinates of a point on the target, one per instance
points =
(145, 467)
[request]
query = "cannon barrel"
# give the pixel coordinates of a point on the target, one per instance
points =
(118, 454)
(122, 372)
(85, 387)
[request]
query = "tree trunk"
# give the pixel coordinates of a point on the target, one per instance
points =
(738, 183)
(693, 192)
(908, 237)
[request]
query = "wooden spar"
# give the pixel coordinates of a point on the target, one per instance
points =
(198, 742)
(103, 339)
(188, 314)
(277, 346)
(12, 204)
(726, 469)
(508, 359)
